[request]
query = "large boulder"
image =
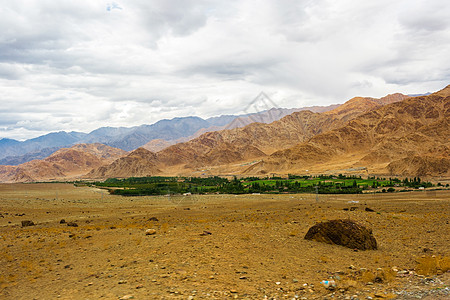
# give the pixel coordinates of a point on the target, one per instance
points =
(343, 232)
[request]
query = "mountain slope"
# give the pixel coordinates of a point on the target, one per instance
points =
(20, 159)
(239, 145)
(140, 162)
(256, 139)
(392, 134)
(64, 163)
(267, 117)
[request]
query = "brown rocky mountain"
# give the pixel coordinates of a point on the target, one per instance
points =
(158, 145)
(238, 146)
(257, 140)
(139, 162)
(64, 163)
(266, 117)
(410, 137)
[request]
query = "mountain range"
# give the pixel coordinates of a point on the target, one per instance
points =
(396, 135)
(232, 150)
(167, 132)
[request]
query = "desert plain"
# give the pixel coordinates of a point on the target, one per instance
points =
(217, 246)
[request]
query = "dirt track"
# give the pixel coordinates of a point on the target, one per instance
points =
(215, 246)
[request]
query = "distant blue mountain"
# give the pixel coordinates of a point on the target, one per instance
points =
(10, 147)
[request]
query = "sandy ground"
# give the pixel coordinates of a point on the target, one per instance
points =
(216, 246)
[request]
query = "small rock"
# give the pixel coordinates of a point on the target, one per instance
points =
(27, 223)
(122, 282)
(277, 283)
(139, 286)
(155, 219)
(243, 277)
(205, 233)
(294, 280)
(126, 297)
(62, 221)
(369, 209)
(329, 284)
(150, 232)
(72, 224)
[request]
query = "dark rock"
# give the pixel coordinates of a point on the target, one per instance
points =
(205, 233)
(27, 223)
(72, 224)
(369, 209)
(62, 221)
(343, 232)
(153, 219)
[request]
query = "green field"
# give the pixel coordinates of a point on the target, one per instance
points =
(323, 184)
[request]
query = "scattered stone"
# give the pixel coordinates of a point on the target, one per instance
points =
(243, 277)
(150, 232)
(329, 284)
(62, 221)
(343, 232)
(155, 219)
(72, 224)
(122, 281)
(380, 295)
(205, 233)
(27, 223)
(369, 209)
(277, 283)
(294, 280)
(126, 297)
(353, 208)
(139, 286)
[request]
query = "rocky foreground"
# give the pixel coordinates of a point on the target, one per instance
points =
(85, 244)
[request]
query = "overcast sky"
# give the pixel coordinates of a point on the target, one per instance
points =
(80, 65)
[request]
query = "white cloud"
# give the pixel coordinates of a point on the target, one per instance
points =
(68, 65)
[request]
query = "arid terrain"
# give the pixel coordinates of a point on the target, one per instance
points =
(217, 246)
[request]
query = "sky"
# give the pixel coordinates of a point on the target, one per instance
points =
(80, 65)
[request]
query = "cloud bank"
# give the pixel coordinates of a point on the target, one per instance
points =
(80, 65)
